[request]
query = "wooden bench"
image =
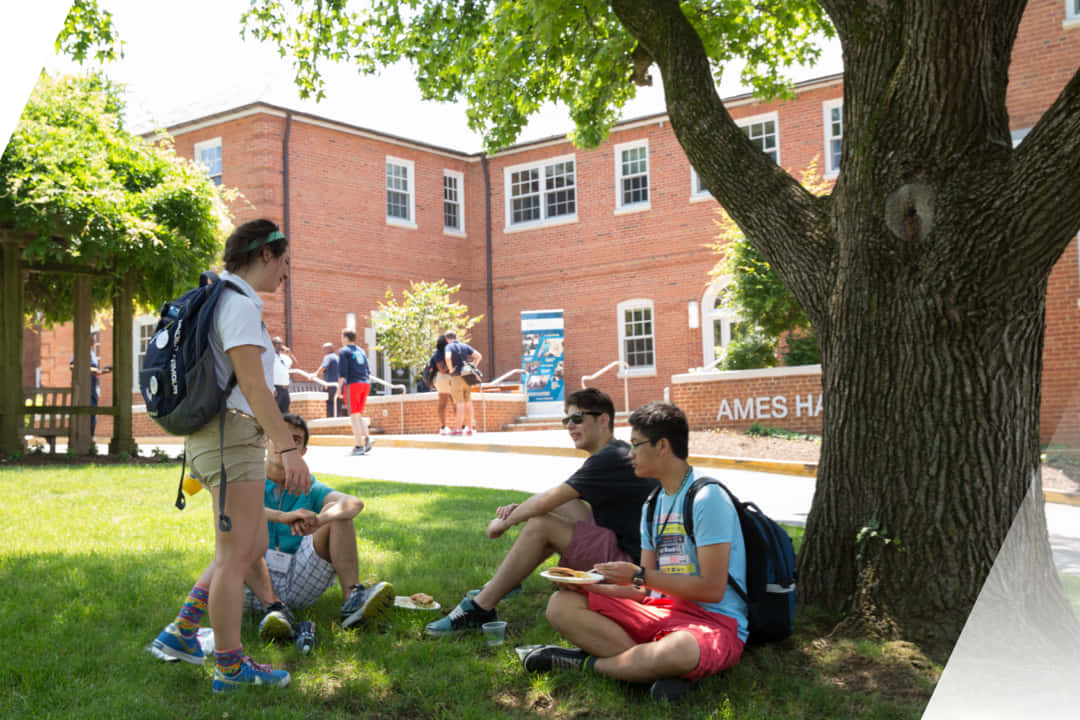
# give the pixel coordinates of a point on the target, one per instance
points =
(47, 425)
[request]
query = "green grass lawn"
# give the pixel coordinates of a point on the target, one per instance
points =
(95, 560)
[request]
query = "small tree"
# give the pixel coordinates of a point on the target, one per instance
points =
(407, 331)
(758, 295)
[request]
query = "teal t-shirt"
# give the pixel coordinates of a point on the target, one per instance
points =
(281, 537)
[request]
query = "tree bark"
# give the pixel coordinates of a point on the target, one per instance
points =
(11, 346)
(924, 275)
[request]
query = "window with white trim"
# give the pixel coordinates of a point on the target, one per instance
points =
(632, 176)
(698, 191)
(763, 131)
(1072, 10)
(142, 330)
(208, 155)
(834, 134)
(720, 323)
(453, 202)
(542, 192)
(400, 198)
(636, 336)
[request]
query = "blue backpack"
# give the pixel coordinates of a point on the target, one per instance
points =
(178, 381)
(770, 564)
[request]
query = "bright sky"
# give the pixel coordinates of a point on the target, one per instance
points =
(190, 62)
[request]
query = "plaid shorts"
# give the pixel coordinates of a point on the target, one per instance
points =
(307, 578)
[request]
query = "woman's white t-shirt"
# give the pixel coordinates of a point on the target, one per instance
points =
(238, 321)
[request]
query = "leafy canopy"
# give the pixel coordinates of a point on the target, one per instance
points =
(87, 192)
(88, 30)
(407, 331)
(757, 295)
(507, 58)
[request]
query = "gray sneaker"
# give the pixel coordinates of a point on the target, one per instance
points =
(367, 604)
(368, 442)
(277, 623)
(358, 451)
(466, 615)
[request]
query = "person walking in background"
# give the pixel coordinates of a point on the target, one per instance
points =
(256, 261)
(442, 382)
(283, 362)
(457, 354)
(96, 371)
(328, 372)
(355, 378)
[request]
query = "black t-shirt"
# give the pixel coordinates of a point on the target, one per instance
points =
(607, 482)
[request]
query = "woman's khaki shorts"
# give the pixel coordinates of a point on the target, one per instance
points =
(442, 383)
(245, 452)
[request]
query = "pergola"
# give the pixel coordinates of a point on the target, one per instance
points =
(13, 396)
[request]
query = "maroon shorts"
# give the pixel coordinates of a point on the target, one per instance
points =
(717, 635)
(591, 544)
(356, 397)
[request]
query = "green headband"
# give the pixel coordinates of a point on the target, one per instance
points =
(276, 235)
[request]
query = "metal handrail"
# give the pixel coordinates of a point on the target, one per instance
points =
(710, 366)
(401, 401)
(622, 366)
(483, 395)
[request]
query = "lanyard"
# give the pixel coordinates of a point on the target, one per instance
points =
(660, 508)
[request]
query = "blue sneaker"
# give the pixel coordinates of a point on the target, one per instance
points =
(367, 604)
(175, 644)
(250, 673)
(466, 615)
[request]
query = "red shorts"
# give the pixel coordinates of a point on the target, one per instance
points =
(356, 397)
(717, 635)
(591, 544)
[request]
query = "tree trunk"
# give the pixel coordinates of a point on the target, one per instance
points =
(123, 441)
(11, 346)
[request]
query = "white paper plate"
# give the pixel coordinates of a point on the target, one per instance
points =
(589, 578)
(404, 601)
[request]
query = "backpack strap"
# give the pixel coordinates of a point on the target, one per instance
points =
(688, 521)
(650, 512)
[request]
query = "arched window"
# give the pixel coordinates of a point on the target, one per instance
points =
(718, 322)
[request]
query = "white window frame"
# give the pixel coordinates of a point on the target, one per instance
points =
(698, 192)
(760, 120)
(832, 168)
(142, 321)
(620, 315)
(1072, 13)
(409, 191)
(544, 220)
(709, 315)
(621, 206)
(211, 144)
(459, 231)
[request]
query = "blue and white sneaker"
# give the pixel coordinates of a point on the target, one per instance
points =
(175, 644)
(250, 673)
(464, 616)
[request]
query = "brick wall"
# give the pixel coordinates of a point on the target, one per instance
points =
(786, 398)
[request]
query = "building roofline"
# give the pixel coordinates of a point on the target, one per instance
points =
(260, 106)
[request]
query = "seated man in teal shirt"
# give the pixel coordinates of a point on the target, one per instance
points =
(311, 541)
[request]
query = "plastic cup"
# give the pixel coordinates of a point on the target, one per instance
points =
(495, 632)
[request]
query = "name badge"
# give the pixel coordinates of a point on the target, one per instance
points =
(277, 561)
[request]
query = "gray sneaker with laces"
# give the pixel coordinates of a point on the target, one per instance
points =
(277, 623)
(365, 604)
(555, 657)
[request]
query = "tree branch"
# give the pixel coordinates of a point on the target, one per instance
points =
(788, 225)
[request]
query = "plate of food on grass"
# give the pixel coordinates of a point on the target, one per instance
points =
(570, 576)
(417, 601)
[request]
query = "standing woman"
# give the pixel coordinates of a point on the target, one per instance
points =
(442, 382)
(256, 261)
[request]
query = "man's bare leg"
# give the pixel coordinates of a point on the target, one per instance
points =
(336, 544)
(542, 536)
(617, 655)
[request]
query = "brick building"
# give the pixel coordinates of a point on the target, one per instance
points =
(614, 236)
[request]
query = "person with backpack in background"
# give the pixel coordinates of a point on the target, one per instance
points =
(669, 621)
(440, 375)
(256, 261)
(458, 353)
(356, 385)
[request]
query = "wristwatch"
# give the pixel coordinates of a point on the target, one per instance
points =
(639, 577)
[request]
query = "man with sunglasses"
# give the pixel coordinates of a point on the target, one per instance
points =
(590, 518)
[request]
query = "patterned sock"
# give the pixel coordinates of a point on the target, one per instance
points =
(191, 614)
(229, 661)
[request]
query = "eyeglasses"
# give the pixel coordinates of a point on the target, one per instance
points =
(578, 418)
(640, 443)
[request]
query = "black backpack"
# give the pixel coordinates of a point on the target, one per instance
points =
(178, 381)
(770, 564)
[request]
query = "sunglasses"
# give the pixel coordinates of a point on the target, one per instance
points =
(578, 418)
